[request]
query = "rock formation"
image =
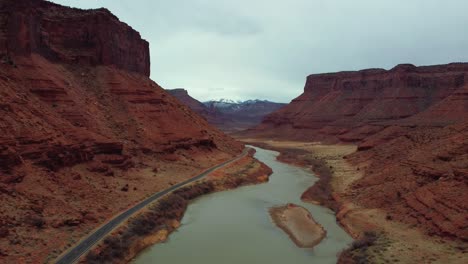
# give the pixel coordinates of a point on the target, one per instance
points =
(84, 132)
(351, 106)
(420, 178)
(73, 36)
(410, 124)
(211, 115)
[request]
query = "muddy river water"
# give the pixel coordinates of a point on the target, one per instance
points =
(234, 226)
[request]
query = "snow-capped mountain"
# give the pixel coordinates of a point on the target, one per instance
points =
(229, 115)
(250, 107)
(222, 103)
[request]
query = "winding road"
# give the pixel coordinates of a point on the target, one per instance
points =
(76, 252)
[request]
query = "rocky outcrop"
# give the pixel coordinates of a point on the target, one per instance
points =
(56, 116)
(419, 178)
(351, 106)
(183, 96)
(90, 37)
(85, 89)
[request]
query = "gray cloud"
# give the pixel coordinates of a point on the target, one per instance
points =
(265, 49)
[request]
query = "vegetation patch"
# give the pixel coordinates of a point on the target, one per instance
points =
(160, 216)
(369, 248)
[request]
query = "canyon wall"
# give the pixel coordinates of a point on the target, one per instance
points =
(410, 125)
(419, 178)
(50, 95)
(84, 133)
(74, 36)
(351, 106)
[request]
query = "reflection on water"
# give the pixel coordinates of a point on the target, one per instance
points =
(235, 227)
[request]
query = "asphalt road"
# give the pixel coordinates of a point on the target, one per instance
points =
(75, 253)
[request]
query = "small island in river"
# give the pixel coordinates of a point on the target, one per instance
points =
(298, 223)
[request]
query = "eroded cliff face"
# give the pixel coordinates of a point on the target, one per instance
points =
(84, 133)
(66, 35)
(92, 110)
(420, 178)
(351, 106)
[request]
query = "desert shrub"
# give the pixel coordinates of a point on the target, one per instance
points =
(156, 218)
(358, 252)
(142, 226)
(366, 241)
(110, 241)
(172, 202)
(193, 191)
(93, 258)
(116, 247)
(37, 221)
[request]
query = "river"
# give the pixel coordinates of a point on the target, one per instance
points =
(234, 226)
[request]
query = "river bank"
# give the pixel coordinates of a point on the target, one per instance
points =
(235, 226)
(380, 239)
(154, 224)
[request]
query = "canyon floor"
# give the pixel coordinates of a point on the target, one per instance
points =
(380, 239)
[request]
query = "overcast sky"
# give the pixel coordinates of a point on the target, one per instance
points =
(246, 49)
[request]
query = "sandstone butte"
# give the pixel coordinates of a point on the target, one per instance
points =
(411, 127)
(84, 132)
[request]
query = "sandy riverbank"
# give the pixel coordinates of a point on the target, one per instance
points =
(380, 239)
(299, 224)
(154, 224)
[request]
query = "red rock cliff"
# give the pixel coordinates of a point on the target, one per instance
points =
(350, 106)
(420, 178)
(411, 127)
(92, 37)
(84, 133)
(81, 75)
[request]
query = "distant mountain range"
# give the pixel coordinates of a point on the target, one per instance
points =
(226, 114)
